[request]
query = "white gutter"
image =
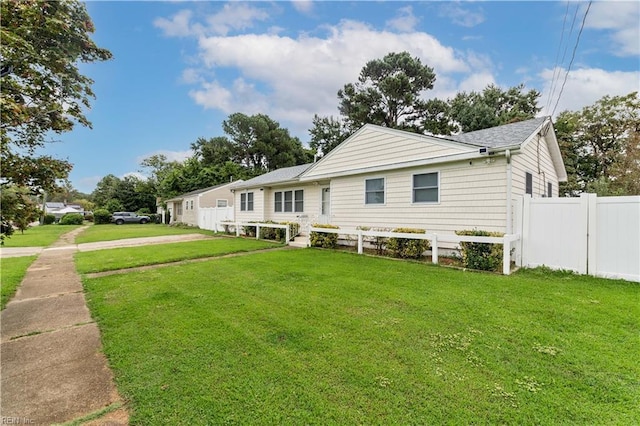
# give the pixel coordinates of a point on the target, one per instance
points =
(507, 155)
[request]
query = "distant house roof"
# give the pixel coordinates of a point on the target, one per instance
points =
(201, 191)
(277, 176)
(51, 205)
(501, 136)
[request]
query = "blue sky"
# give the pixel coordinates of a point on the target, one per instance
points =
(180, 68)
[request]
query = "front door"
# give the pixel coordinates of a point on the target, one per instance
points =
(325, 207)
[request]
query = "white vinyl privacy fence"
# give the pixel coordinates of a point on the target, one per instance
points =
(592, 235)
(210, 217)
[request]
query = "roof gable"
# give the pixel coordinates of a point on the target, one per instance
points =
(375, 146)
(202, 191)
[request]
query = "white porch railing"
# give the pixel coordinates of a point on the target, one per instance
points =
(507, 241)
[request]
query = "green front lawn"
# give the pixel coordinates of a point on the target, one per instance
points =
(37, 236)
(320, 337)
(12, 271)
(129, 257)
(110, 232)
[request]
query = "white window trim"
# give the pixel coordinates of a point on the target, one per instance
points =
(364, 192)
(293, 201)
(425, 203)
(533, 183)
(246, 201)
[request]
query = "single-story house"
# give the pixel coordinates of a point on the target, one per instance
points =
(387, 178)
(60, 209)
(187, 208)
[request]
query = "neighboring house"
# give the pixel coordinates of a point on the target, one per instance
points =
(187, 208)
(388, 178)
(60, 209)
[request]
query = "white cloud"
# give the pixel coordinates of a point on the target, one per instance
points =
(462, 16)
(405, 21)
(585, 86)
(622, 18)
(294, 78)
(136, 175)
(303, 6)
(232, 16)
(235, 16)
(177, 26)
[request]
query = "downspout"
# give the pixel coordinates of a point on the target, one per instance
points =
(507, 155)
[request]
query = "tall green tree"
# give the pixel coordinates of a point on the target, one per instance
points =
(261, 145)
(598, 144)
(43, 90)
(493, 107)
(327, 133)
(388, 93)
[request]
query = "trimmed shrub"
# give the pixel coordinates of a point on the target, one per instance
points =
(249, 231)
(380, 243)
(49, 219)
(408, 248)
(101, 217)
(324, 239)
(72, 219)
(482, 256)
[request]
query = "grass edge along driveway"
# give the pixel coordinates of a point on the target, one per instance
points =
(320, 337)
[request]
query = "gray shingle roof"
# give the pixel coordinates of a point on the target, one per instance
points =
(280, 175)
(501, 136)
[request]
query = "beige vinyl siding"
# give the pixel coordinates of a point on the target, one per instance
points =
(209, 198)
(471, 196)
(257, 214)
(311, 204)
(189, 215)
(534, 158)
(373, 148)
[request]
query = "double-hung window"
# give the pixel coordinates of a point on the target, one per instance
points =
(426, 188)
(289, 201)
(246, 202)
(528, 179)
(374, 191)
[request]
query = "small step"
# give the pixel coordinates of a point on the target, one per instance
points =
(299, 241)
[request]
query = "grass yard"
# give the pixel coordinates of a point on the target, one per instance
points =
(129, 257)
(12, 271)
(110, 232)
(38, 236)
(321, 337)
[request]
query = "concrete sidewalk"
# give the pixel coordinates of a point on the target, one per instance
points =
(53, 369)
(6, 252)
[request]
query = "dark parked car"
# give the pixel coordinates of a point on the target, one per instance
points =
(120, 218)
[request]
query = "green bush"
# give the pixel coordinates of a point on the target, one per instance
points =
(49, 219)
(279, 234)
(408, 248)
(88, 216)
(482, 256)
(380, 243)
(249, 231)
(72, 219)
(155, 218)
(324, 239)
(101, 217)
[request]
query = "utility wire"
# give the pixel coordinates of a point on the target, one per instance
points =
(573, 55)
(555, 65)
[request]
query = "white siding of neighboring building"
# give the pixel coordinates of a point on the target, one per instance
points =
(534, 158)
(471, 196)
(189, 210)
(373, 147)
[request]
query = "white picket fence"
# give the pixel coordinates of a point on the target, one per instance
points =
(592, 235)
(210, 217)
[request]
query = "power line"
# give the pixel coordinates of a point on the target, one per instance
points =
(573, 56)
(555, 64)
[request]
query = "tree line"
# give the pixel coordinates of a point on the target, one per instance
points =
(43, 94)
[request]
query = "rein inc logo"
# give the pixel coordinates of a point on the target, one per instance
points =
(16, 421)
